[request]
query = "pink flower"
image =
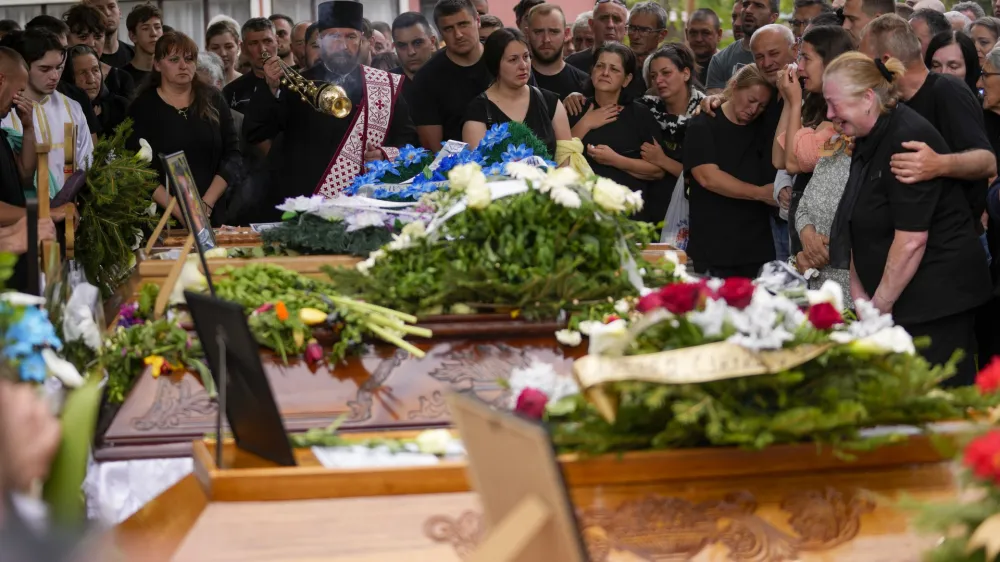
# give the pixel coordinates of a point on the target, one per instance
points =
(531, 403)
(314, 353)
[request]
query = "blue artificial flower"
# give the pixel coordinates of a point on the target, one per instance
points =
(551, 164)
(31, 331)
(32, 368)
(495, 169)
(516, 153)
(381, 168)
(497, 134)
(449, 162)
(410, 154)
(361, 181)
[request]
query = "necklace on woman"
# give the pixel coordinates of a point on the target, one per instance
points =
(183, 112)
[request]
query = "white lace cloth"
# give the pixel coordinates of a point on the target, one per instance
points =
(116, 490)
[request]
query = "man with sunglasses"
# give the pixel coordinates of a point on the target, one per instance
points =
(756, 14)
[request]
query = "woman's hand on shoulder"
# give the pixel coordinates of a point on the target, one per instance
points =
(709, 104)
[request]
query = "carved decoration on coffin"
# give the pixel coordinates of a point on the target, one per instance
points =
(173, 403)
(361, 406)
(431, 407)
(475, 370)
(659, 529)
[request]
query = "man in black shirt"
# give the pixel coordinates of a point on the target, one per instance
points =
(546, 25)
(452, 77)
(145, 26)
(608, 24)
(257, 38)
(116, 53)
(950, 107)
(415, 44)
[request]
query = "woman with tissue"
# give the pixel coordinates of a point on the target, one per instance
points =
(175, 111)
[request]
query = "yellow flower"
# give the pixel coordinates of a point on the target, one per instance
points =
(515, 313)
(156, 362)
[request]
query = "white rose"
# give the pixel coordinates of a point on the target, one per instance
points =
(609, 195)
(571, 338)
(622, 306)
(566, 197)
(434, 441)
(151, 211)
(415, 229)
(609, 339)
(217, 253)
(478, 195)
(522, 171)
(145, 151)
(558, 177)
(634, 201)
(830, 292)
(587, 326)
(460, 177)
(889, 340)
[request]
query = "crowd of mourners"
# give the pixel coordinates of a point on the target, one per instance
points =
(857, 141)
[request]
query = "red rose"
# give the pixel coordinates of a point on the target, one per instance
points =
(982, 456)
(650, 302)
(737, 292)
(988, 380)
(531, 403)
(824, 316)
(681, 298)
(611, 318)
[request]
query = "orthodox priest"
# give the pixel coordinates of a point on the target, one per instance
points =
(319, 153)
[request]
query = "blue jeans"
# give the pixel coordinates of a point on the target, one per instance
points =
(779, 231)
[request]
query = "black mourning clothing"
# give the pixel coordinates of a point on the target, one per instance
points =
(441, 91)
(729, 233)
(76, 94)
(563, 83)
(121, 57)
(138, 76)
(541, 111)
(951, 108)
(120, 83)
(239, 91)
(952, 278)
(311, 139)
(635, 125)
(406, 88)
(212, 149)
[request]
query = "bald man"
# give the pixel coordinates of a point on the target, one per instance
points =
(773, 48)
(299, 44)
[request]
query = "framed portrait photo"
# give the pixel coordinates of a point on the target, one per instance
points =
(182, 186)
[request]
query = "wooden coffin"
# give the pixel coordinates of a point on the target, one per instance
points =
(385, 388)
(226, 237)
(782, 504)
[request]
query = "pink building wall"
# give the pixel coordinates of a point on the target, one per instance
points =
(504, 9)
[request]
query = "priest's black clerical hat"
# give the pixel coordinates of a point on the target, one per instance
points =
(341, 13)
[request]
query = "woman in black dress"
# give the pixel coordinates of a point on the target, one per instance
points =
(912, 249)
(175, 111)
(727, 166)
(954, 53)
(83, 68)
(510, 98)
(613, 132)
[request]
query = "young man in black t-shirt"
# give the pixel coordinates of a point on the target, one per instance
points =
(257, 37)
(449, 81)
(145, 26)
(546, 26)
(116, 53)
(415, 44)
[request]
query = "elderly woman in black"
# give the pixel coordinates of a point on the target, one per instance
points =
(613, 129)
(727, 164)
(912, 249)
(83, 68)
